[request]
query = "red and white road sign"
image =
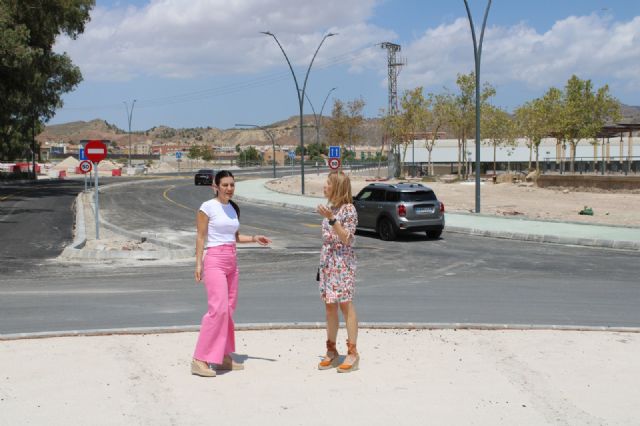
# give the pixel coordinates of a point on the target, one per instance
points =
(95, 151)
(334, 163)
(85, 166)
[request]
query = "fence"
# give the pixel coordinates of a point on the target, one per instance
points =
(590, 165)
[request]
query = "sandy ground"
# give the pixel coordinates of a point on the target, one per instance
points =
(506, 199)
(406, 377)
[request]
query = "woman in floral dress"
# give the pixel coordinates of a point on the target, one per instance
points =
(338, 269)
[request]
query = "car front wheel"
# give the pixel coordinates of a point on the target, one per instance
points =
(386, 230)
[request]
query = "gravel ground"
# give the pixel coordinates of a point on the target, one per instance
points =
(506, 199)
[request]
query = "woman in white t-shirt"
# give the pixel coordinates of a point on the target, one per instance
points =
(217, 223)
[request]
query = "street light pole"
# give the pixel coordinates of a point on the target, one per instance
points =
(318, 117)
(477, 53)
(300, 93)
(315, 118)
(129, 115)
(273, 142)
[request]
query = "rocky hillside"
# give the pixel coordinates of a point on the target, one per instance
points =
(285, 132)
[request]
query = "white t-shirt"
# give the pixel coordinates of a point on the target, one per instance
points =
(223, 222)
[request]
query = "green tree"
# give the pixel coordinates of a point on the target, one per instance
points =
(207, 153)
(194, 152)
(463, 121)
(316, 151)
(336, 127)
(441, 109)
(32, 77)
(533, 125)
(342, 127)
(250, 155)
(413, 118)
(354, 120)
(585, 111)
(498, 128)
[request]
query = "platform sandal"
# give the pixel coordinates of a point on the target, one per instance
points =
(348, 368)
(332, 359)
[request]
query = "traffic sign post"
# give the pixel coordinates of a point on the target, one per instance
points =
(96, 151)
(334, 163)
(334, 152)
(85, 167)
(179, 159)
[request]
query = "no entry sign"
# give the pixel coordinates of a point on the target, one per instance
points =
(334, 163)
(95, 151)
(85, 166)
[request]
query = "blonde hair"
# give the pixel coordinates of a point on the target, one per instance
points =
(340, 189)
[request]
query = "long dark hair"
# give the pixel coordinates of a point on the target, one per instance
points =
(223, 174)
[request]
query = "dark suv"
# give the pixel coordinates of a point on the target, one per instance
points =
(204, 177)
(404, 207)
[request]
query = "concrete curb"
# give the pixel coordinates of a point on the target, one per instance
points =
(549, 239)
(77, 250)
(80, 239)
(319, 326)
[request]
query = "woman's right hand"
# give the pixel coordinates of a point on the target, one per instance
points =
(198, 273)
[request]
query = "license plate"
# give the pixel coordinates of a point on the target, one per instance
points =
(425, 210)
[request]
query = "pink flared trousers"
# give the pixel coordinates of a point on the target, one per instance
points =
(220, 270)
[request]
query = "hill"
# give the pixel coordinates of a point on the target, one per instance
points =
(285, 132)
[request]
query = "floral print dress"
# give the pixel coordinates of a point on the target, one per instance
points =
(338, 260)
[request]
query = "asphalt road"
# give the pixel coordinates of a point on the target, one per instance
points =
(455, 279)
(36, 221)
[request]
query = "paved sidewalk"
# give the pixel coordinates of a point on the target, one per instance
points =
(618, 237)
(406, 377)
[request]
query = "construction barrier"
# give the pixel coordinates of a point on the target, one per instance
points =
(116, 172)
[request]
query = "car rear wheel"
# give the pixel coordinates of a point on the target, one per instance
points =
(386, 230)
(434, 234)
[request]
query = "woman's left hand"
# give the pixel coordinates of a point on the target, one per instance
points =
(262, 240)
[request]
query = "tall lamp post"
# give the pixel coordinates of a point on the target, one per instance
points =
(477, 53)
(318, 117)
(129, 115)
(273, 142)
(300, 93)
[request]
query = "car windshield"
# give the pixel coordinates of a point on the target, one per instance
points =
(207, 171)
(418, 196)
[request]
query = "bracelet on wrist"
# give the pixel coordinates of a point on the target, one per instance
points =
(332, 221)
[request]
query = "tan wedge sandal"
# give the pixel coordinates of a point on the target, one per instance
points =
(201, 368)
(332, 359)
(348, 368)
(228, 364)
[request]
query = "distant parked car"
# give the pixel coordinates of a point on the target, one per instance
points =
(204, 177)
(390, 209)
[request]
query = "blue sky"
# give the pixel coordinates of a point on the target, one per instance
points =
(199, 63)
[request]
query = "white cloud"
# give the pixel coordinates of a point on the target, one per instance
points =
(195, 38)
(191, 38)
(589, 46)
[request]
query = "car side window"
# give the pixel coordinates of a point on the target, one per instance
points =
(393, 196)
(377, 195)
(365, 195)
